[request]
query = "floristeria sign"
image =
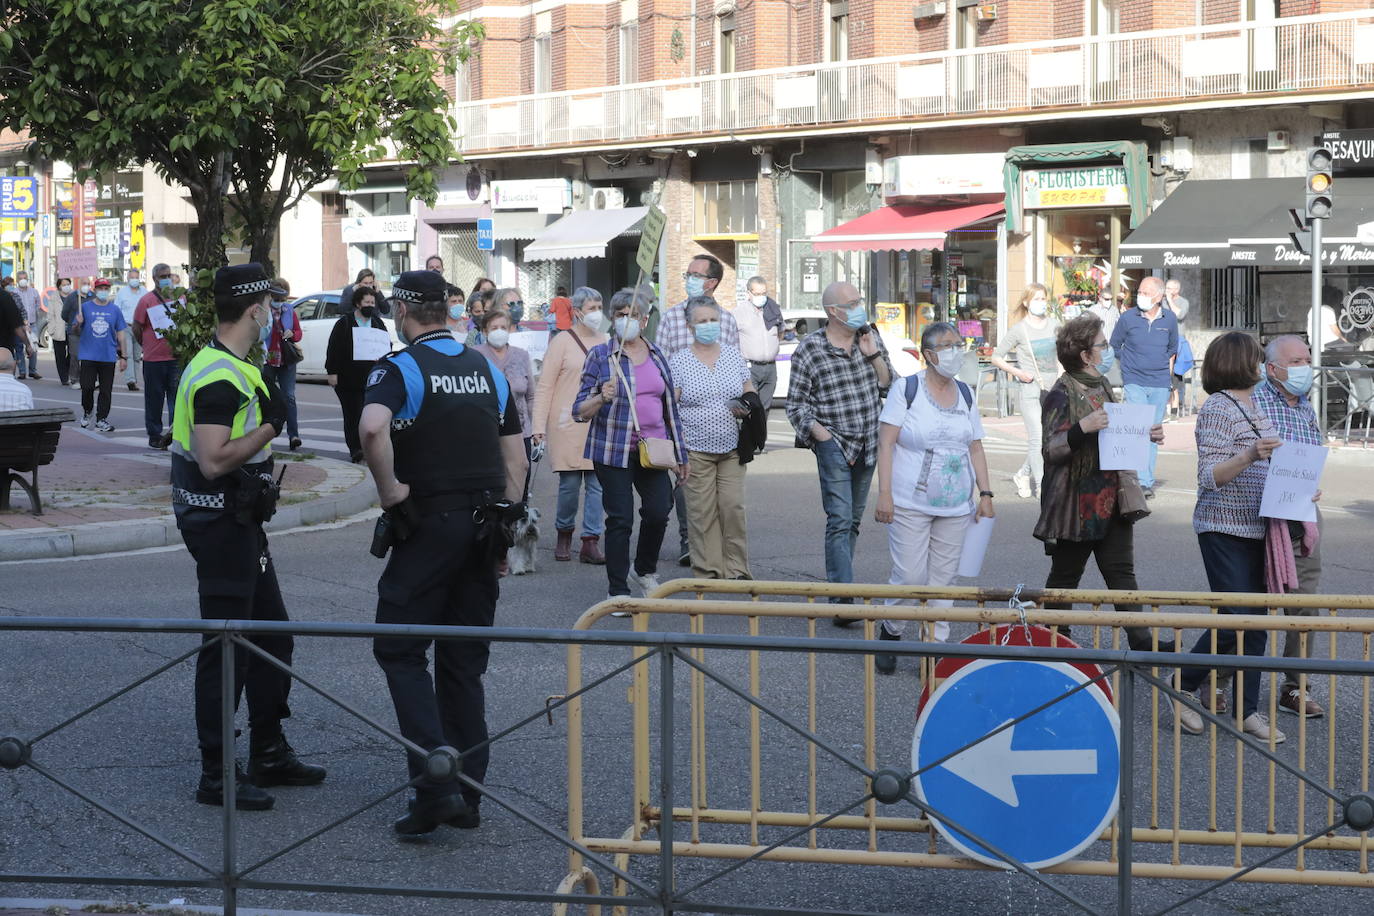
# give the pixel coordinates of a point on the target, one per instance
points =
(1081, 186)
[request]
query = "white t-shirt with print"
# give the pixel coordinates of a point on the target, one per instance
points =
(931, 470)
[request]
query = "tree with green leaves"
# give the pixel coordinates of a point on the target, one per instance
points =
(248, 104)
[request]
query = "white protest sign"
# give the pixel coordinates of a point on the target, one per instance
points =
(976, 538)
(159, 318)
(1295, 473)
(1125, 444)
(535, 343)
(77, 262)
(370, 344)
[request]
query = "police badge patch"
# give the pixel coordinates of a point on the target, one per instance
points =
(376, 376)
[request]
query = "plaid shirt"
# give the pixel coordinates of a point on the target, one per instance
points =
(674, 334)
(1295, 422)
(611, 440)
(839, 390)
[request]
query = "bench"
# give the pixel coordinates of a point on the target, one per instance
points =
(28, 440)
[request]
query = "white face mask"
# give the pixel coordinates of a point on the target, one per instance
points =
(65, 288)
(758, 301)
(85, 287)
(593, 320)
(948, 361)
(1038, 307)
(1144, 302)
(498, 338)
(23, 284)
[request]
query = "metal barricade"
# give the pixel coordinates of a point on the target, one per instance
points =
(1263, 801)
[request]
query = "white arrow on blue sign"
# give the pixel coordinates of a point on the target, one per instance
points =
(1042, 790)
(486, 235)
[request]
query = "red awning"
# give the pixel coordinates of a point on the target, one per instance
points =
(903, 228)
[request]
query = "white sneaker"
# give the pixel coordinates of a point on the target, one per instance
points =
(85, 420)
(610, 597)
(1259, 727)
(1189, 719)
(104, 426)
(646, 583)
(1023, 485)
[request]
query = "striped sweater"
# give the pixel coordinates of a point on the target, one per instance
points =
(1225, 428)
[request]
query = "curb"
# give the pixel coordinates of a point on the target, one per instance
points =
(21, 904)
(117, 537)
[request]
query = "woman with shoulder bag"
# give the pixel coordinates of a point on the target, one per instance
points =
(282, 352)
(1030, 338)
(628, 396)
(932, 475)
(1084, 510)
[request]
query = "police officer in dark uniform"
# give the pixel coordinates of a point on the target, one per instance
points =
(442, 437)
(222, 492)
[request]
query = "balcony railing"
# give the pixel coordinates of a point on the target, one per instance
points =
(1305, 55)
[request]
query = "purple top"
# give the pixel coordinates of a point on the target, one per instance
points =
(649, 389)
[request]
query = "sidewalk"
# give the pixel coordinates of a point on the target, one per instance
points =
(102, 495)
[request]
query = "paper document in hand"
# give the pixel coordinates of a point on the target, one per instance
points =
(370, 344)
(1295, 474)
(1125, 444)
(976, 538)
(160, 318)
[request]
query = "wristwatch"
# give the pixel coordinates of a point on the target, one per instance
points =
(987, 493)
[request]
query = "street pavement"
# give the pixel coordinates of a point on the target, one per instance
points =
(138, 753)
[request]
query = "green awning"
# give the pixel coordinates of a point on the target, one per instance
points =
(1131, 153)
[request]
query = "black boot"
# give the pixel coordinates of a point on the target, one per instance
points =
(424, 815)
(885, 662)
(275, 764)
(247, 797)
(1139, 639)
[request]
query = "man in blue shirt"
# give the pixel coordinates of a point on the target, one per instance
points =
(1146, 341)
(104, 340)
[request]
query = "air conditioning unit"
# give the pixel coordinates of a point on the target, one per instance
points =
(608, 199)
(986, 12)
(1278, 141)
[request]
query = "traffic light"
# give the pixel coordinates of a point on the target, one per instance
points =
(1319, 204)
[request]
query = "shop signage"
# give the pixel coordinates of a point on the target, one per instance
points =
(1081, 186)
(18, 197)
(1359, 309)
(1344, 254)
(810, 274)
(547, 195)
(1352, 151)
(937, 175)
(486, 235)
(362, 230)
(650, 235)
(107, 241)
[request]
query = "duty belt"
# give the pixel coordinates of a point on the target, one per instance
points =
(452, 502)
(182, 497)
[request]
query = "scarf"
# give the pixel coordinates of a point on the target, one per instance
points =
(1085, 461)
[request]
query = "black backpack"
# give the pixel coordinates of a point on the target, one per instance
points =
(913, 383)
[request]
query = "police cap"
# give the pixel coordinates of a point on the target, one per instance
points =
(419, 286)
(244, 280)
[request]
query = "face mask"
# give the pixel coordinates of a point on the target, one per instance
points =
(627, 327)
(593, 320)
(1263, 373)
(516, 313)
(1038, 307)
(949, 361)
(758, 301)
(367, 310)
(695, 286)
(708, 332)
(23, 284)
(856, 317)
(498, 338)
(1299, 380)
(1108, 360)
(102, 294)
(456, 312)
(85, 288)
(1144, 303)
(135, 283)
(400, 328)
(265, 330)
(164, 283)
(65, 288)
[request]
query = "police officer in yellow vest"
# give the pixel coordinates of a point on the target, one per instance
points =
(223, 492)
(442, 437)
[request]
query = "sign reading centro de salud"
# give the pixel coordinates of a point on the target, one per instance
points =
(1080, 186)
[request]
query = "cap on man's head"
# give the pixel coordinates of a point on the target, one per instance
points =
(101, 283)
(244, 280)
(420, 286)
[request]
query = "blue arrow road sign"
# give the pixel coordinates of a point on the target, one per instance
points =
(1042, 790)
(486, 235)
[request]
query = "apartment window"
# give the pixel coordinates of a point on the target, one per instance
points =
(837, 32)
(1104, 17)
(726, 43)
(629, 52)
(543, 63)
(727, 207)
(966, 27)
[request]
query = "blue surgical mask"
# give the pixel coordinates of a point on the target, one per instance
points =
(856, 316)
(400, 328)
(695, 286)
(627, 327)
(1299, 380)
(456, 312)
(102, 294)
(708, 332)
(135, 283)
(164, 283)
(1108, 360)
(265, 331)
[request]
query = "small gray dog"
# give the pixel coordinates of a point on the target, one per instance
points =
(526, 534)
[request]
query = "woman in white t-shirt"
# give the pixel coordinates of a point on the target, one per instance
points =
(932, 474)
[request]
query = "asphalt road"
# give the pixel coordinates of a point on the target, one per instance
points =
(139, 751)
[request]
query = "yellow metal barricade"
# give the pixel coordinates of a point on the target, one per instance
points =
(1174, 840)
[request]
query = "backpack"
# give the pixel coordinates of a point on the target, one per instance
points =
(913, 383)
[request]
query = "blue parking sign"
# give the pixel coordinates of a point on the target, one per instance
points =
(486, 235)
(18, 197)
(1042, 790)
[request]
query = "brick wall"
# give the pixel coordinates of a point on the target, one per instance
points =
(658, 20)
(932, 34)
(1066, 19)
(1219, 12)
(894, 29)
(769, 23)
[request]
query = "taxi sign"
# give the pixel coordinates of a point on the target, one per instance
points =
(1041, 790)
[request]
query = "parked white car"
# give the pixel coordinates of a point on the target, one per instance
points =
(804, 321)
(317, 314)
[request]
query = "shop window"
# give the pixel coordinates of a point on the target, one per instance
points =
(726, 208)
(1078, 245)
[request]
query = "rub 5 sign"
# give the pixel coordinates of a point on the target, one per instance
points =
(18, 198)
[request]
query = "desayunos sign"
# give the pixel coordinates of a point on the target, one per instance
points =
(1082, 186)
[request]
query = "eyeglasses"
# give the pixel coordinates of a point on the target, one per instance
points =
(687, 275)
(1099, 346)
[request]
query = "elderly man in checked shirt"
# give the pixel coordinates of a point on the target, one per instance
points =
(1282, 397)
(835, 395)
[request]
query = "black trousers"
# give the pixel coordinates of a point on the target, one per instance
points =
(238, 582)
(351, 402)
(1115, 556)
(59, 355)
(440, 576)
(92, 374)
